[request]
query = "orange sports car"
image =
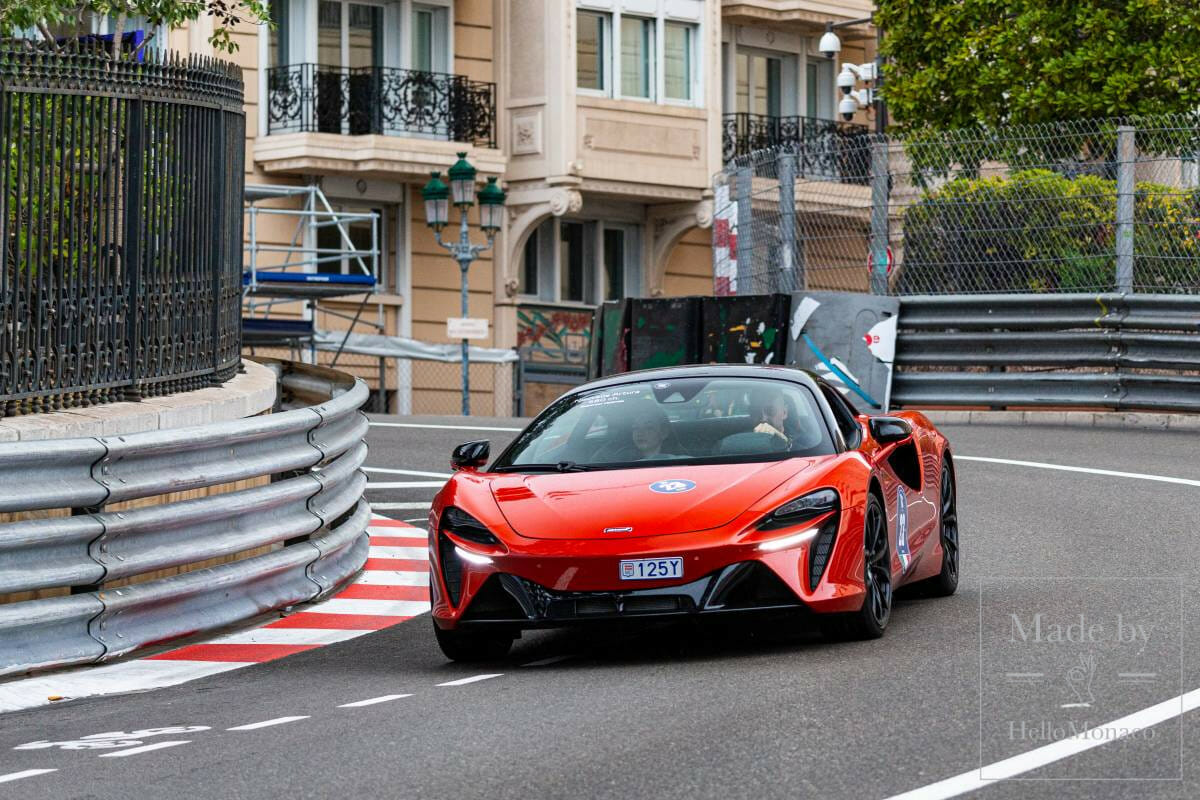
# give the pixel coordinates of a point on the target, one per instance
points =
(692, 492)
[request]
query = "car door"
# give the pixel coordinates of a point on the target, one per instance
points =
(910, 507)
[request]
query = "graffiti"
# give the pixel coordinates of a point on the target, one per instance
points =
(549, 328)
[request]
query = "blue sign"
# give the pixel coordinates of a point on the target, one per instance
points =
(672, 486)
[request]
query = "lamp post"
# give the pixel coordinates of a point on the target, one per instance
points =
(461, 192)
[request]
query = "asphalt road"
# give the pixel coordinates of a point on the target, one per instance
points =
(678, 713)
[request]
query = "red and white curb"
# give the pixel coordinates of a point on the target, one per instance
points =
(393, 587)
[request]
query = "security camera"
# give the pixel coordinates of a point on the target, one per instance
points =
(845, 80)
(847, 107)
(830, 45)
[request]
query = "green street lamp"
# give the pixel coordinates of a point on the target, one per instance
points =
(491, 207)
(437, 207)
(461, 192)
(462, 182)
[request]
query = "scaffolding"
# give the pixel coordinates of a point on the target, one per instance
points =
(277, 275)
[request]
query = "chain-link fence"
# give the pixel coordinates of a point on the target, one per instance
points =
(1081, 206)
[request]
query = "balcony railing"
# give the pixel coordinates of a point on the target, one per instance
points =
(826, 150)
(383, 100)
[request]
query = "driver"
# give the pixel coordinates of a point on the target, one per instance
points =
(650, 429)
(770, 411)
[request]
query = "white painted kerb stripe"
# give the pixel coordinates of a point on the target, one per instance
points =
(1064, 748)
(388, 551)
(28, 773)
(1089, 470)
(253, 726)
(472, 679)
(382, 608)
(146, 748)
(440, 427)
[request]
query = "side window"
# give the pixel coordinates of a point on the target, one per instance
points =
(851, 431)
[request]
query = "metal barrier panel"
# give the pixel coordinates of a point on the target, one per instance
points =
(315, 511)
(1109, 351)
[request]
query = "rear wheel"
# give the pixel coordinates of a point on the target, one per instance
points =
(946, 582)
(473, 645)
(870, 621)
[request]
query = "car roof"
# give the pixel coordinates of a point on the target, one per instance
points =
(792, 374)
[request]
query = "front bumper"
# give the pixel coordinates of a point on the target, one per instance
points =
(506, 600)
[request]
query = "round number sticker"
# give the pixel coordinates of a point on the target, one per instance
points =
(672, 486)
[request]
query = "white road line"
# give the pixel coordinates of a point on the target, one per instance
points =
(405, 485)
(381, 608)
(388, 551)
(146, 748)
(415, 472)
(1081, 742)
(402, 506)
(385, 698)
(441, 427)
(545, 662)
(288, 636)
(1089, 470)
(472, 679)
(253, 726)
(28, 773)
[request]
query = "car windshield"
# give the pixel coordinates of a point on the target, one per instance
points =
(681, 421)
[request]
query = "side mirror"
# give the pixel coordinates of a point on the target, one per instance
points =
(888, 430)
(471, 455)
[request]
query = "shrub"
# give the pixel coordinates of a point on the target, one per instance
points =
(1040, 231)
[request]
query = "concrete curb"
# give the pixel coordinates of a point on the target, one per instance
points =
(246, 394)
(1082, 419)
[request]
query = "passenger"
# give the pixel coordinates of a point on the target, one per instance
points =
(770, 411)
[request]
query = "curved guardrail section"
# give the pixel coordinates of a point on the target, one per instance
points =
(312, 513)
(1111, 351)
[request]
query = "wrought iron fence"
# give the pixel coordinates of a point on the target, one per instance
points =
(120, 226)
(826, 149)
(395, 102)
(1109, 205)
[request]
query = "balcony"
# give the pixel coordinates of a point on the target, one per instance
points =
(825, 149)
(314, 98)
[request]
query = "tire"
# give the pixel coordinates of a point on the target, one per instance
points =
(945, 583)
(870, 621)
(473, 646)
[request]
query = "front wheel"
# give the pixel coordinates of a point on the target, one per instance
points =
(870, 621)
(473, 646)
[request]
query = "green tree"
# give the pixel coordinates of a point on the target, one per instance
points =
(990, 63)
(50, 16)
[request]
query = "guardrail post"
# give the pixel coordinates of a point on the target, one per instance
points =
(1126, 163)
(789, 277)
(879, 215)
(745, 237)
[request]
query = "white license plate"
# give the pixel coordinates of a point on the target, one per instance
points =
(651, 569)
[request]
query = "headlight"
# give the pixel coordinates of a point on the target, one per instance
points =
(802, 509)
(463, 525)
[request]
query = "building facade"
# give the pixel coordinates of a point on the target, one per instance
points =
(605, 120)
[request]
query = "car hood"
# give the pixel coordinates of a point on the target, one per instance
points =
(621, 503)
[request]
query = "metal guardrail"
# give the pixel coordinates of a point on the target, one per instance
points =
(313, 510)
(1112, 351)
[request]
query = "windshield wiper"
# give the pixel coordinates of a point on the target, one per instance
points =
(561, 466)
